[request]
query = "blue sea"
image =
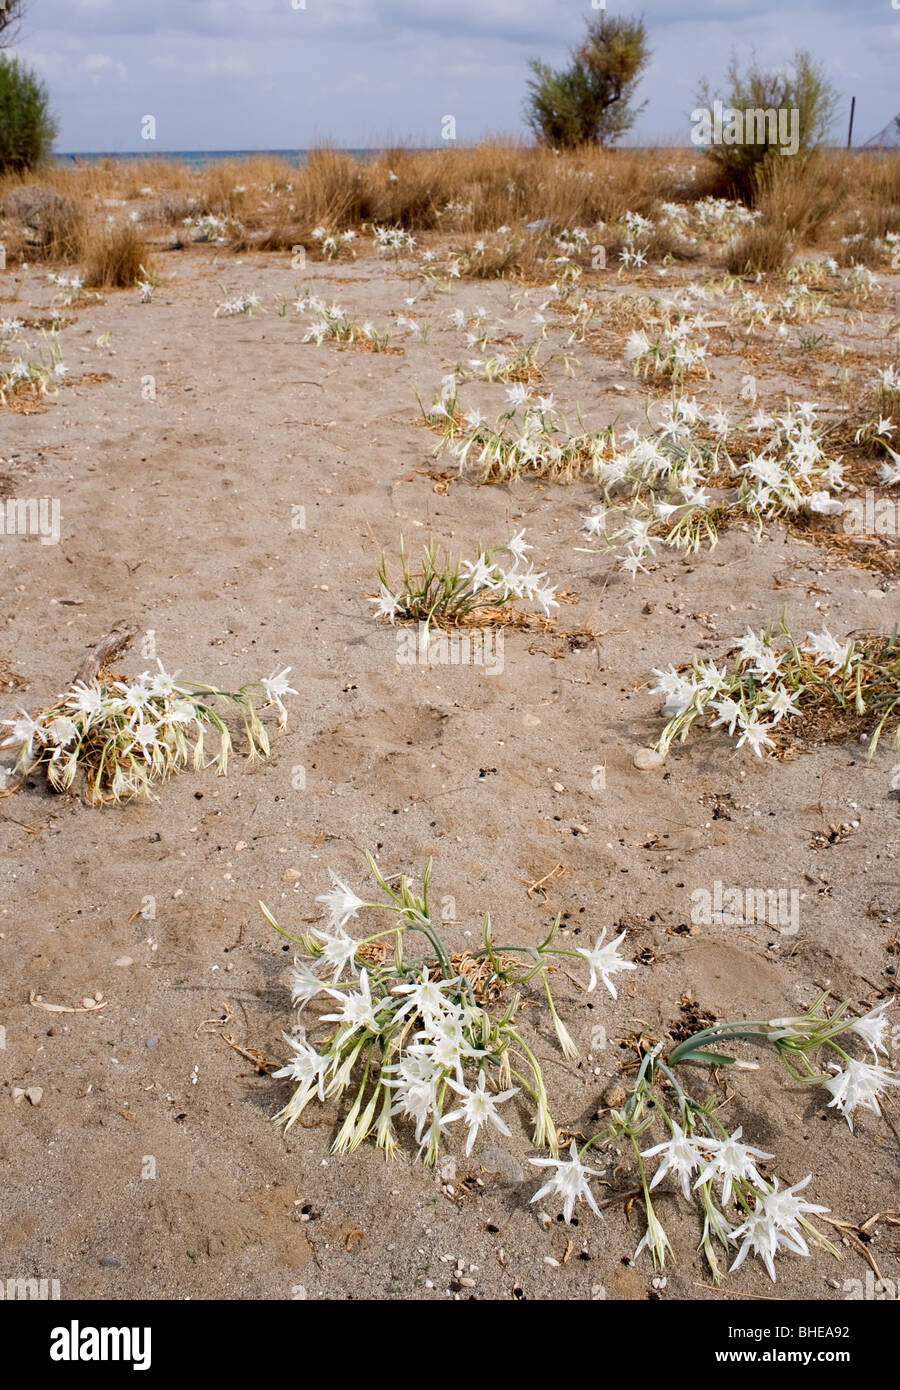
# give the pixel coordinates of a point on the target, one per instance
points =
(199, 158)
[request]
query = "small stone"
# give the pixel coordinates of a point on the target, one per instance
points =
(151, 1042)
(35, 1094)
(241, 844)
(291, 875)
(558, 787)
(109, 1262)
(647, 759)
(123, 961)
(447, 1168)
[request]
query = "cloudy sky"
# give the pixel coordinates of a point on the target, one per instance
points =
(286, 74)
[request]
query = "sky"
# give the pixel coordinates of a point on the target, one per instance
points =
(288, 74)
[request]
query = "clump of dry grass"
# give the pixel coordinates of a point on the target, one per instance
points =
(50, 224)
(115, 257)
(796, 197)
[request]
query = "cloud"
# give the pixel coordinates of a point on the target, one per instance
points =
(261, 74)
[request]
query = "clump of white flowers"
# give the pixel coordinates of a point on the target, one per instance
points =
(432, 1039)
(69, 287)
(743, 1209)
(123, 736)
(669, 350)
(239, 304)
(393, 241)
(35, 375)
(773, 677)
(207, 228)
(667, 476)
(520, 365)
(536, 441)
(334, 324)
(447, 592)
(332, 243)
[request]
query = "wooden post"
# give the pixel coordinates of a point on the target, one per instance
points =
(852, 112)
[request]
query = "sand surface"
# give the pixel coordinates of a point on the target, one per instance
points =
(151, 1167)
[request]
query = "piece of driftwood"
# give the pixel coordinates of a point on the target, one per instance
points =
(109, 646)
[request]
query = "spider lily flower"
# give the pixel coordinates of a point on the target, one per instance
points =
(306, 1066)
(605, 961)
(775, 1219)
(305, 986)
(341, 901)
(754, 732)
(387, 604)
(822, 646)
(871, 1027)
(25, 732)
(339, 950)
(479, 1107)
(680, 1154)
(730, 1161)
(570, 1182)
(857, 1086)
(358, 1009)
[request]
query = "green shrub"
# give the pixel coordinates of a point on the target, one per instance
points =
(589, 102)
(27, 129)
(800, 87)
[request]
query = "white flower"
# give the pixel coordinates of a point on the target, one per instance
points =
(782, 703)
(276, 686)
(24, 731)
(731, 1161)
(339, 950)
(86, 699)
(654, 1239)
(305, 985)
(306, 1066)
(823, 504)
(858, 1085)
(424, 997)
(678, 690)
(636, 347)
(822, 646)
(478, 1108)
(358, 1010)
(518, 547)
(570, 1181)
(62, 731)
(341, 901)
(775, 1217)
(751, 646)
(680, 1154)
(163, 683)
(595, 523)
(387, 605)
(729, 712)
(481, 574)
(871, 1027)
(605, 961)
(755, 733)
